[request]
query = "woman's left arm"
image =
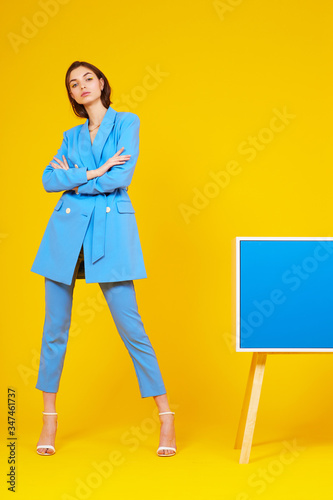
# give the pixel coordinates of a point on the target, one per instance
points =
(120, 176)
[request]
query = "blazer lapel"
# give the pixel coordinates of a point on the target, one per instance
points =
(91, 154)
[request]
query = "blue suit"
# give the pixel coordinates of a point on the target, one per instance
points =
(101, 216)
(94, 235)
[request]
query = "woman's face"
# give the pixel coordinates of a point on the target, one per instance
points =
(83, 81)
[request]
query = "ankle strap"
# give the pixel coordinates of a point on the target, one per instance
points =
(165, 412)
(45, 413)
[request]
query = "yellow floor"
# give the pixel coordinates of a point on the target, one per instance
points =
(121, 462)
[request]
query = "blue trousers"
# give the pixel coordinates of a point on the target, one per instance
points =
(121, 299)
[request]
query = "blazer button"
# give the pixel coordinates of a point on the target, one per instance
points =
(108, 209)
(68, 210)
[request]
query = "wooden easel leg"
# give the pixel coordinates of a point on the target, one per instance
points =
(246, 402)
(250, 406)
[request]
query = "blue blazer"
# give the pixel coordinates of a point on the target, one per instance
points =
(101, 216)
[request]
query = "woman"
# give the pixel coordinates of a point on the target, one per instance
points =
(92, 234)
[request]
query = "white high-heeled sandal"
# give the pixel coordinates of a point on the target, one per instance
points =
(47, 445)
(166, 447)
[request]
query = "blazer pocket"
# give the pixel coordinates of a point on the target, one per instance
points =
(58, 205)
(125, 207)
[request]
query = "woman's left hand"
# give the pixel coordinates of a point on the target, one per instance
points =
(62, 164)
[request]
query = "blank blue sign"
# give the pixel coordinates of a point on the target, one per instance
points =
(285, 294)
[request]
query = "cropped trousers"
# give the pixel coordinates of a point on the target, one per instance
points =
(121, 299)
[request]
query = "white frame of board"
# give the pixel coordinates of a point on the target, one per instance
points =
(236, 292)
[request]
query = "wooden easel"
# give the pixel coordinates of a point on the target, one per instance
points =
(249, 411)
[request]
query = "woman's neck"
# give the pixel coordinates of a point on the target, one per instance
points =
(96, 114)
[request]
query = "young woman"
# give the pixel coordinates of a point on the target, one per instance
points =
(92, 234)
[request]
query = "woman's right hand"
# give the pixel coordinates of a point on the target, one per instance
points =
(117, 159)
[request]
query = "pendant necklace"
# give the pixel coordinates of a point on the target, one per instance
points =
(91, 129)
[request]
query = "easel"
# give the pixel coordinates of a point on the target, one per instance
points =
(254, 383)
(249, 411)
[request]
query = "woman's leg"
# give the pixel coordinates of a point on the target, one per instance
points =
(48, 433)
(168, 433)
(58, 309)
(121, 299)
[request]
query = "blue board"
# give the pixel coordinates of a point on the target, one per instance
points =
(285, 294)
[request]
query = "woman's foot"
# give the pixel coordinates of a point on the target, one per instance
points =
(167, 434)
(48, 433)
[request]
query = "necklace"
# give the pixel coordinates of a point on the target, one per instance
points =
(91, 129)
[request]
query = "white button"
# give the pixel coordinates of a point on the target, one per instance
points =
(108, 209)
(68, 210)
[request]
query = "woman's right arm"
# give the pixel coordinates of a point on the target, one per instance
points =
(61, 179)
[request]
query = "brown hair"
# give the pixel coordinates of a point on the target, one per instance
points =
(79, 109)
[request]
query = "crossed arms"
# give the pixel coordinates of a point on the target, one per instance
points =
(115, 173)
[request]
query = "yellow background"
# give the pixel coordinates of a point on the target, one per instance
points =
(226, 67)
